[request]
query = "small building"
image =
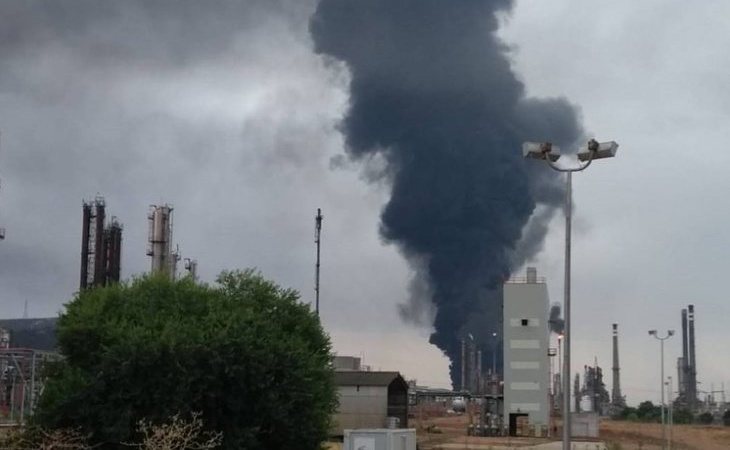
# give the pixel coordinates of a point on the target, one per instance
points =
(370, 400)
(526, 367)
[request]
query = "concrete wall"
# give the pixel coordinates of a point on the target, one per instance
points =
(361, 407)
(584, 424)
(526, 371)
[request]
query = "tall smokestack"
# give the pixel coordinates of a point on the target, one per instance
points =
(617, 398)
(462, 387)
(434, 101)
(684, 379)
(472, 367)
(113, 236)
(692, 391)
(681, 382)
(163, 259)
(99, 243)
(479, 372)
(85, 231)
(101, 246)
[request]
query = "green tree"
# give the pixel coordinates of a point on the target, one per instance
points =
(245, 353)
(648, 411)
(726, 418)
(682, 415)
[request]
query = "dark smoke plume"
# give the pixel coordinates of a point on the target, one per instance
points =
(556, 321)
(434, 101)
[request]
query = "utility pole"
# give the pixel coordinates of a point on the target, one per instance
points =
(317, 240)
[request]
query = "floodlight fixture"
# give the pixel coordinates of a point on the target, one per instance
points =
(670, 332)
(652, 332)
(541, 150)
(598, 150)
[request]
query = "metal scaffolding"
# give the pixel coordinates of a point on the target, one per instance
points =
(21, 383)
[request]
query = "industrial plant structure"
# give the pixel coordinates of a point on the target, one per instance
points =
(21, 378)
(593, 394)
(687, 363)
(101, 246)
(526, 371)
(163, 258)
(471, 366)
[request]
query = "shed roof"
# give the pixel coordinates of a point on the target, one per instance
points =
(362, 378)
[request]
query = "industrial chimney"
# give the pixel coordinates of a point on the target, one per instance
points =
(101, 246)
(159, 249)
(617, 399)
(692, 391)
(479, 372)
(113, 250)
(463, 365)
(684, 374)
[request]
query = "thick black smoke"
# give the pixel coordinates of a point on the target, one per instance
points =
(556, 321)
(434, 100)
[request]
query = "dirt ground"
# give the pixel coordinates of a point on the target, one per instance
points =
(450, 431)
(647, 436)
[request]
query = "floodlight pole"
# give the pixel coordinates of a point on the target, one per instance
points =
(670, 333)
(544, 151)
(593, 148)
(567, 333)
(671, 411)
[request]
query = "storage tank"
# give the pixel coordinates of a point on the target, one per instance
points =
(586, 404)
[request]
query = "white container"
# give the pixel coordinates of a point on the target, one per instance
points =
(380, 439)
(392, 423)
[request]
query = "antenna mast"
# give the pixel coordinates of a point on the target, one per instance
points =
(317, 240)
(2, 230)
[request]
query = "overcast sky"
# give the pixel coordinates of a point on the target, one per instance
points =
(224, 111)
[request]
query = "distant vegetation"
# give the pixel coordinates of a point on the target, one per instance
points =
(649, 412)
(245, 353)
(38, 334)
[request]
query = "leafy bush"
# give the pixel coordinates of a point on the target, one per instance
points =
(245, 353)
(705, 418)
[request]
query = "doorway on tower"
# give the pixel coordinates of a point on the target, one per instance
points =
(519, 424)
